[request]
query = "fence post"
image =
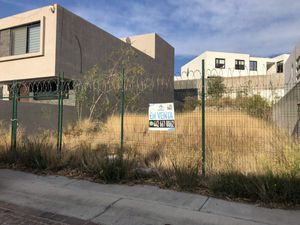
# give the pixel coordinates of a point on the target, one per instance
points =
(60, 89)
(14, 119)
(203, 118)
(122, 111)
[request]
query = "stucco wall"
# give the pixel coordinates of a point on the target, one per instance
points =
(145, 43)
(72, 45)
(81, 45)
(164, 56)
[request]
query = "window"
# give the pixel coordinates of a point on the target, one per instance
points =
(220, 63)
(280, 67)
(20, 40)
(4, 43)
(18, 37)
(239, 64)
(253, 65)
(33, 35)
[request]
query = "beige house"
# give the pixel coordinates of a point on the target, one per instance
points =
(47, 41)
(43, 43)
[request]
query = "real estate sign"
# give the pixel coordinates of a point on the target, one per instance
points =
(161, 117)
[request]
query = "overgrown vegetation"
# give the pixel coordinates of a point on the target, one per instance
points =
(246, 156)
(190, 103)
(256, 106)
(259, 164)
(268, 188)
(216, 87)
(98, 93)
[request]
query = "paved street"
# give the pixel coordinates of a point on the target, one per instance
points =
(11, 214)
(60, 197)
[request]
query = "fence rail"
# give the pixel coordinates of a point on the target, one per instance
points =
(235, 123)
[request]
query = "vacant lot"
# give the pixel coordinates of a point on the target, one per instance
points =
(246, 157)
(234, 141)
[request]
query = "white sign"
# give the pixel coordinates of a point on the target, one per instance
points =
(161, 116)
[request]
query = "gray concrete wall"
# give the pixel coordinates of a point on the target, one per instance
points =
(235, 83)
(34, 118)
(285, 112)
(292, 76)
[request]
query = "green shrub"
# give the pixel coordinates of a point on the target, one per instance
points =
(184, 176)
(190, 103)
(179, 106)
(220, 102)
(37, 153)
(268, 188)
(187, 176)
(255, 106)
(108, 165)
(216, 87)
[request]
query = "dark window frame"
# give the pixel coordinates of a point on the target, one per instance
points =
(27, 35)
(218, 65)
(239, 66)
(252, 62)
(36, 23)
(279, 66)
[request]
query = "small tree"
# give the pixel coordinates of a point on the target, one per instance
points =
(256, 106)
(190, 103)
(98, 93)
(216, 87)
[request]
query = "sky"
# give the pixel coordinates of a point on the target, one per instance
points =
(257, 27)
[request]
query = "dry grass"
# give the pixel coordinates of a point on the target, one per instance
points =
(246, 157)
(234, 142)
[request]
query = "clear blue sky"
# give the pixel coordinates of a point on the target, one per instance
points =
(257, 27)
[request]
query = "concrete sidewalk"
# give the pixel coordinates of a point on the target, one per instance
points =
(132, 205)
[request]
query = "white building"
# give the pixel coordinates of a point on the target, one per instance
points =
(231, 65)
(257, 75)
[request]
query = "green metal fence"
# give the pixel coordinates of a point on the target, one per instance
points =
(42, 90)
(239, 123)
